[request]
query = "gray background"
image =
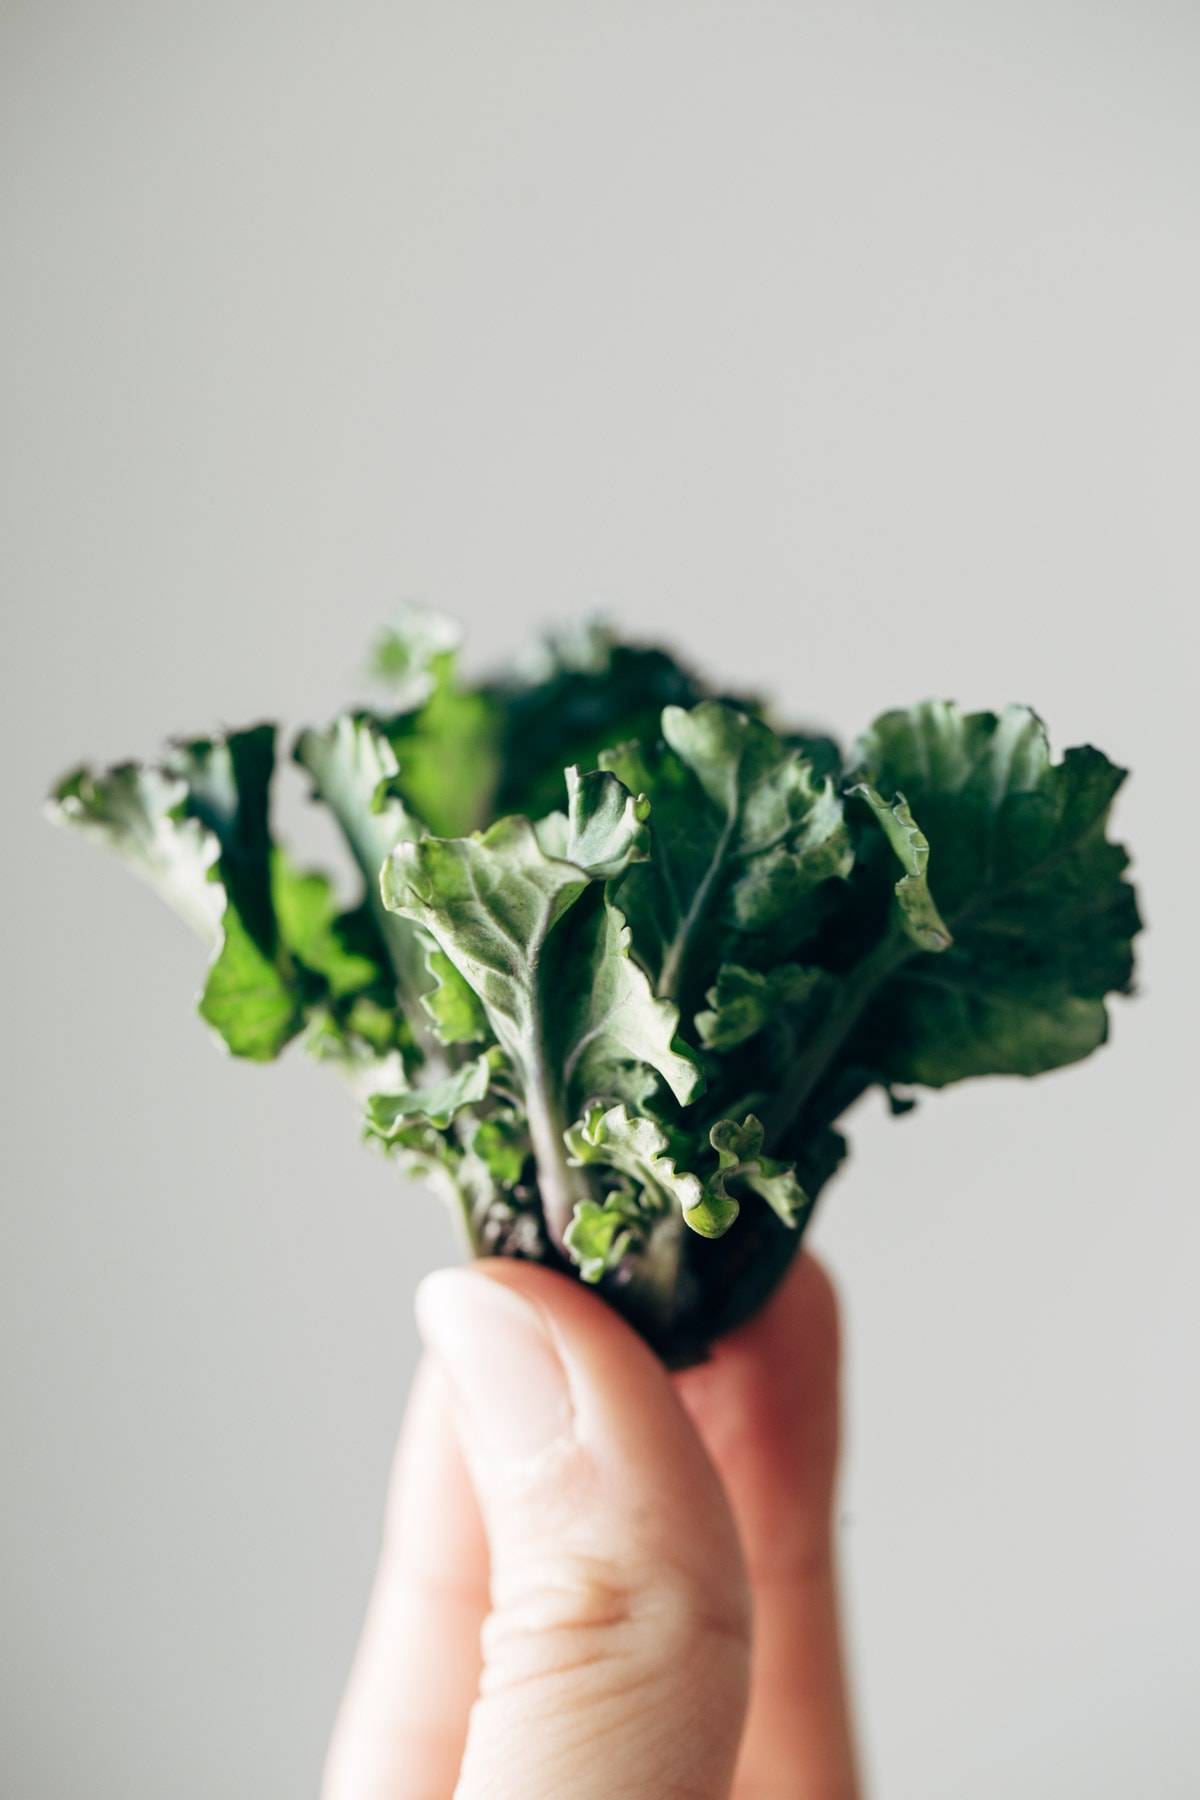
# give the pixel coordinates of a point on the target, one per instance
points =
(853, 347)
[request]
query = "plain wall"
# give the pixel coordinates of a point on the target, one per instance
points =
(852, 348)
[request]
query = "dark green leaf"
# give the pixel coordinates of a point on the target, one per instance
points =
(1029, 885)
(743, 840)
(354, 771)
(579, 693)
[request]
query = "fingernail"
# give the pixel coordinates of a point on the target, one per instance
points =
(507, 1375)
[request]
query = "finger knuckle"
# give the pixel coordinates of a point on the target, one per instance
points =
(616, 1626)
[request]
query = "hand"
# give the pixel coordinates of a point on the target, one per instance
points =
(662, 1616)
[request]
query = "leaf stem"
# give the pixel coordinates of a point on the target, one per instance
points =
(670, 981)
(560, 1185)
(847, 1006)
(650, 1291)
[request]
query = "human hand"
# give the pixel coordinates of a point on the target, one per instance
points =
(662, 1616)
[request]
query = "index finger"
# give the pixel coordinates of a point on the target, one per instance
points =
(766, 1406)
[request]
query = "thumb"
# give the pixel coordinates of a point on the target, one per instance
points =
(616, 1652)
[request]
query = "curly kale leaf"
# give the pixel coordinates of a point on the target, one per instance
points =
(139, 812)
(197, 828)
(1032, 892)
(522, 916)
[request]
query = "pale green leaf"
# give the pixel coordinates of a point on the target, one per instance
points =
(603, 1017)
(438, 1103)
(601, 1233)
(743, 1002)
(452, 1003)
(139, 812)
(740, 1162)
(493, 904)
(922, 921)
(637, 1149)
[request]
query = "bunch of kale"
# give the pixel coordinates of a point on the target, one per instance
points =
(626, 951)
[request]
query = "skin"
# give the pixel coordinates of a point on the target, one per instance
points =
(598, 1579)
